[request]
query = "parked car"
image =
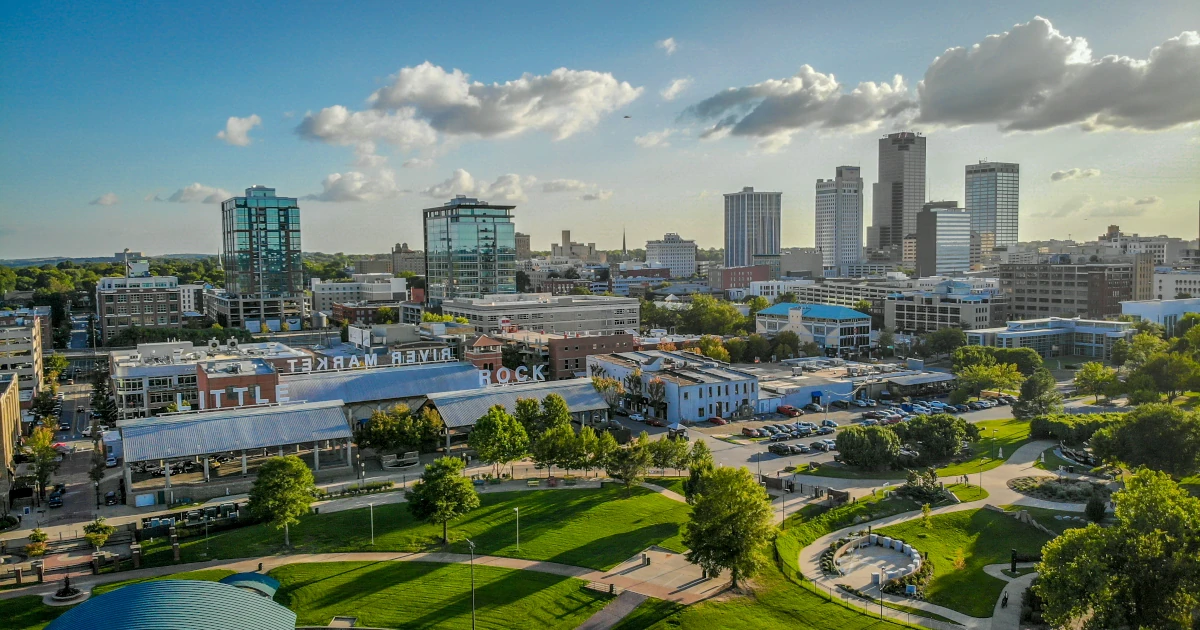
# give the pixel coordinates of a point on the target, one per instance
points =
(976, 405)
(871, 402)
(111, 462)
(110, 498)
(789, 411)
(799, 449)
(893, 420)
(1012, 400)
(808, 424)
(831, 444)
(779, 437)
(802, 432)
(718, 421)
(869, 422)
(840, 404)
(819, 445)
(749, 432)
(769, 430)
(858, 402)
(656, 422)
(829, 423)
(779, 449)
(1000, 401)
(825, 431)
(962, 408)
(814, 407)
(637, 417)
(55, 500)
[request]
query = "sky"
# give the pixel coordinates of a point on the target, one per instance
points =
(122, 125)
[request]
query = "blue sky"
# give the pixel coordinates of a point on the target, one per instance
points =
(107, 105)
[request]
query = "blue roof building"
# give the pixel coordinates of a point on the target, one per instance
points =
(179, 605)
(838, 330)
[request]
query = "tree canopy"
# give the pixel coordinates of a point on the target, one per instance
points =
(282, 492)
(730, 525)
(872, 448)
(498, 438)
(1158, 436)
(443, 494)
(1039, 396)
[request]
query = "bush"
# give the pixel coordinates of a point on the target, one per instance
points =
(1095, 508)
(1071, 428)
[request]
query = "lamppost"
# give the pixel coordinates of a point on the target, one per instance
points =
(372, 510)
(472, 546)
(517, 511)
(992, 451)
(97, 495)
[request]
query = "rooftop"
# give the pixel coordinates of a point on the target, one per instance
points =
(464, 408)
(181, 353)
(814, 311)
(177, 604)
(385, 383)
(533, 299)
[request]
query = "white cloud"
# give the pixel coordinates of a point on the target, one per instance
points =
(1033, 78)
(365, 156)
(357, 186)
(422, 101)
(675, 88)
(777, 108)
(669, 45)
(510, 187)
(565, 185)
(107, 199)
(1084, 206)
(197, 193)
(237, 130)
(1074, 173)
(599, 195)
(654, 139)
(417, 163)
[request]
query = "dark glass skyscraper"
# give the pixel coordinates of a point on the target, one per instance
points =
(470, 250)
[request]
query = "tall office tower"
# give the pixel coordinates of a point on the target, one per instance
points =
(751, 225)
(264, 273)
(840, 217)
(943, 240)
(993, 198)
(900, 192)
(470, 250)
(523, 249)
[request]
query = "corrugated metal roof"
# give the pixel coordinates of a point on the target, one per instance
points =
(169, 437)
(256, 581)
(462, 409)
(922, 379)
(179, 605)
(382, 383)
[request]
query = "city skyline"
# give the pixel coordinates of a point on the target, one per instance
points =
(131, 124)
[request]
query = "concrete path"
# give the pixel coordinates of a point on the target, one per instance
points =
(614, 612)
(670, 494)
(1009, 617)
(997, 570)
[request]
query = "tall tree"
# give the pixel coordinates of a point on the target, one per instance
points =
(946, 340)
(282, 492)
(45, 458)
(602, 451)
(555, 413)
(979, 377)
(528, 412)
(629, 463)
(700, 466)
(872, 448)
(736, 348)
(1094, 378)
(757, 349)
(443, 494)
(730, 525)
(887, 341)
(666, 453)
(1142, 572)
(656, 391)
(711, 347)
(610, 389)
(554, 448)
(54, 365)
(1039, 396)
(1158, 436)
(498, 438)
(1173, 373)
(756, 304)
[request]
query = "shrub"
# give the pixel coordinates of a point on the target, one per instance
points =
(1071, 428)
(960, 560)
(38, 536)
(1095, 508)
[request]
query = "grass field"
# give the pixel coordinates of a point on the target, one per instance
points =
(649, 613)
(985, 537)
(967, 492)
(674, 484)
(423, 595)
(1045, 517)
(590, 528)
(1052, 462)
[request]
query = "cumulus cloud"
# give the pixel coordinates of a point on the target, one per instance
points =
(669, 45)
(357, 186)
(107, 199)
(1034, 78)
(1074, 173)
(237, 130)
(510, 187)
(1084, 206)
(417, 163)
(675, 88)
(422, 101)
(197, 193)
(654, 139)
(773, 110)
(565, 185)
(599, 195)
(366, 157)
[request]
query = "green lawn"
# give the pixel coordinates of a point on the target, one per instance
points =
(648, 613)
(1019, 572)
(424, 595)
(590, 528)
(815, 520)
(674, 484)
(203, 575)
(985, 538)
(967, 492)
(1045, 517)
(1052, 462)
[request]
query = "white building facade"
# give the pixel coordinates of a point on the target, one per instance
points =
(364, 287)
(542, 312)
(674, 253)
(839, 217)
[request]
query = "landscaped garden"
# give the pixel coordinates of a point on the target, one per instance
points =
(1062, 490)
(423, 595)
(1057, 521)
(590, 528)
(959, 545)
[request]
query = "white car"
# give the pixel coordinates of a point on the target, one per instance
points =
(858, 402)
(110, 462)
(637, 417)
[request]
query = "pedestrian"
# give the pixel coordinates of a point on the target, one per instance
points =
(1004, 602)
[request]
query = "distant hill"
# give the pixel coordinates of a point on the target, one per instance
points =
(54, 260)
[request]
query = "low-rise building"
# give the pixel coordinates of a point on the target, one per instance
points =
(1061, 288)
(723, 278)
(148, 302)
(405, 259)
(362, 288)
(543, 312)
(680, 387)
(565, 355)
(365, 313)
(1056, 336)
(1166, 313)
(373, 265)
(1172, 284)
(836, 329)
(951, 304)
(673, 252)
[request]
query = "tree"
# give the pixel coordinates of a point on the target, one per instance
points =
(706, 315)
(528, 413)
(700, 467)
(710, 346)
(1158, 436)
(498, 438)
(872, 448)
(45, 458)
(863, 306)
(926, 516)
(1119, 354)
(1172, 373)
(810, 349)
(399, 428)
(940, 435)
(656, 391)
(282, 493)
(1186, 323)
(945, 340)
(1094, 510)
(1039, 396)
(667, 346)
(757, 349)
(602, 451)
(736, 348)
(978, 378)
(385, 315)
(666, 453)
(555, 414)
(581, 290)
(1142, 347)
(730, 525)
(54, 365)
(43, 403)
(628, 464)
(786, 298)
(756, 304)
(443, 494)
(1141, 572)
(610, 389)
(583, 453)
(554, 447)
(1094, 378)
(887, 341)
(97, 532)
(633, 384)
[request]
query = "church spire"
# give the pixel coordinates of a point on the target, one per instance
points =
(624, 251)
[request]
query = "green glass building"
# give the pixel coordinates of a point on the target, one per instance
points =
(470, 250)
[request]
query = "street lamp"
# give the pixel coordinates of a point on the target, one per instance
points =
(517, 511)
(992, 452)
(372, 509)
(97, 495)
(472, 546)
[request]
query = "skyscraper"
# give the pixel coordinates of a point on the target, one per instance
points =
(470, 250)
(993, 193)
(900, 192)
(751, 225)
(264, 273)
(839, 217)
(943, 240)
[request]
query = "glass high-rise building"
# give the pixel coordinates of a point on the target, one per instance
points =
(943, 240)
(993, 191)
(751, 225)
(264, 272)
(900, 192)
(839, 217)
(470, 250)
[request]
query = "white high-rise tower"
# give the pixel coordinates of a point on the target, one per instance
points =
(840, 217)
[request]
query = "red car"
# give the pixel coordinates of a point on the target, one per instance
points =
(719, 421)
(790, 411)
(656, 422)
